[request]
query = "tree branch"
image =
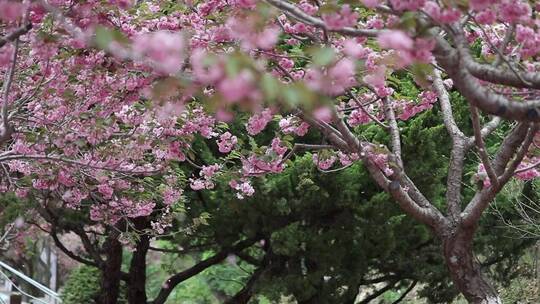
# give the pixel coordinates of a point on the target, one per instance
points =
(50, 216)
(520, 154)
(335, 139)
(7, 130)
(395, 141)
(459, 148)
(509, 147)
(68, 252)
(57, 158)
(524, 169)
(446, 106)
(248, 258)
(506, 40)
(293, 11)
(516, 143)
(481, 146)
(490, 127)
(406, 292)
(245, 294)
(178, 278)
(15, 34)
(379, 292)
(457, 66)
(363, 108)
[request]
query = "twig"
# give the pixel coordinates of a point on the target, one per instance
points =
(537, 164)
(361, 106)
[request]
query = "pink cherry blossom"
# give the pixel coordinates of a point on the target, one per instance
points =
(344, 18)
(123, 4)
(105, 190)
(323, 114)
(479, 5)
(277, 147)
(307, 7)
(410, 5)
(244, 188)
(512, 11)
(171, 196)
(236, 88)
(226, 142)
(371, 3)
(164, 50)
(354, 49)
(324, 164)
(249, 4)
(258, 122)
(292, 125)
(11, 10)
(395, 39)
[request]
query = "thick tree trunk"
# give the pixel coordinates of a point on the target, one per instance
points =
(111, 272)
(137, 268)
(465, 270)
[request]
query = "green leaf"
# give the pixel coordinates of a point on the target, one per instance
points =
(297, 94)
(270, 87)
(408, 21)
(104, 36)
(421, 71)
(322, 56)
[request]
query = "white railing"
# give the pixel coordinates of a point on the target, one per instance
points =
(52, 294)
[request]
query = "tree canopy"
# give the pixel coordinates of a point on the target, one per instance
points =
(107, 104)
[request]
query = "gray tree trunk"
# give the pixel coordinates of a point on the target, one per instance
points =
(465, 269)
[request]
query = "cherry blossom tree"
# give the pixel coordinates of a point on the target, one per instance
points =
(98, 95)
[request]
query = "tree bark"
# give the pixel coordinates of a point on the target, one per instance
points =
(465, 270)
(137, 269)
(111, 272)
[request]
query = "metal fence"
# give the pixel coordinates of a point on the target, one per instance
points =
(52, 297)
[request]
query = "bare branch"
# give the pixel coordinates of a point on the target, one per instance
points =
(520, 154)
(446, 106)
(68, 252)
(455, 177)
(459, 148)
(334, 138)
(293, 11)
(530, 167)
(489, 72)
(407, 196)
(458, 68)
(406, 292)
(506, 40)
(178, 278)
(379, 292)
(496, 50)
(402, 189)
(245, 294)
(6, 130)
(15, 34)
(509, 147)
(500, 76)
(297, 147)
(395, 141)
(490, 126)
(481, 146)
(363, 108)
(516, 143)
(57, 158)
